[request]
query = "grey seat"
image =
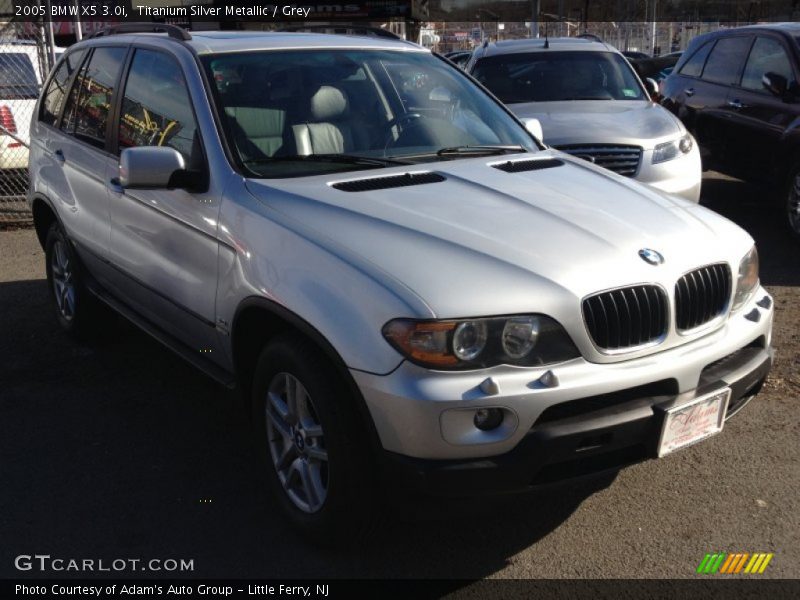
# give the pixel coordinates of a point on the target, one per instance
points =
(328, 130)
(259, 113)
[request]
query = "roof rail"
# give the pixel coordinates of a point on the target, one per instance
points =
(173, 31)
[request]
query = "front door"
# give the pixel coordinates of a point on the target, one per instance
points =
(758, 118)
(164, 242)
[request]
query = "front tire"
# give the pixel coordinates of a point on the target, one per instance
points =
(307, 435)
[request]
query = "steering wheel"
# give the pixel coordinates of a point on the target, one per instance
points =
(401, 121)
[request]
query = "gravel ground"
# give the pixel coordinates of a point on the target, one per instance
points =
(120, 449)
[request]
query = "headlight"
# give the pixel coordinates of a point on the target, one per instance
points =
(747, 280)
(526, 340)
(674, 149)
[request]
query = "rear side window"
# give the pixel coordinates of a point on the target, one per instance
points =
(89, 104)
(18, 79)
(156, 109)
(51, 103)
(726, 60)
(694, 66)
(767, 56)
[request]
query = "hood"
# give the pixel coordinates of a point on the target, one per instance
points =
(486, 242)
(636, 122)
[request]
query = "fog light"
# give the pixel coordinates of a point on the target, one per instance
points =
(487, 419)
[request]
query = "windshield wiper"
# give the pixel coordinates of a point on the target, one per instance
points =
(350, 159)
(479, 150)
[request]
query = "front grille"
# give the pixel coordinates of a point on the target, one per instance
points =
(385, 183)
(702, 295)
(619, 158)
(626, 317)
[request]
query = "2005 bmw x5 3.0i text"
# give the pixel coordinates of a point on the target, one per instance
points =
(410, 289)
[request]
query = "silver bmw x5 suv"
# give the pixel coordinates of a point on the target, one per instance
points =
(407, 286)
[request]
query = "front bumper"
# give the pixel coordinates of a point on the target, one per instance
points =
(601, 415)
(583, 438)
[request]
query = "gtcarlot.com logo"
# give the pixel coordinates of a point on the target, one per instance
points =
(732, 563)
(45, 562)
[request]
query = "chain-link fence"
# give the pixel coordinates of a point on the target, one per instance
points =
(23, 65)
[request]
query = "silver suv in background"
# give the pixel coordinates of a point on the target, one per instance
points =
(591, 104)
(410, 290)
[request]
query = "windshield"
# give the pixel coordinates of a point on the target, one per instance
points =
(17, 77)
(559, 76)
(294, 113)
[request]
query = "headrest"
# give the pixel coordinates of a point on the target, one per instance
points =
(328, 104)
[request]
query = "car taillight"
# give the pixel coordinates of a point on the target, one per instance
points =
(8, 124)
(7, 119)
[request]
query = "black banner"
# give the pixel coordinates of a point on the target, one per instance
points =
(555, 11)
(333, 589)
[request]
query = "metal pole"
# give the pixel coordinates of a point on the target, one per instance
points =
(78, 27)
(51, 45)
(655, 6)
(537, 7)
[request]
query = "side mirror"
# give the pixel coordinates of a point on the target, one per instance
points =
(150, 167)
(534, 127)
(776, 84)
(652, 87)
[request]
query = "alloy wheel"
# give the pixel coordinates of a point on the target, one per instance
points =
(63, 280)
(296, 443)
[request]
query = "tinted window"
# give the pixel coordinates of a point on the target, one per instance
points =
(767, 56)
(557, 76)
(694, 66)
(727, 57)
(17, 76)
(156, 110)
(51, 104)
(89, 105)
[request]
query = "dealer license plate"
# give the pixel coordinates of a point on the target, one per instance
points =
(694, 421)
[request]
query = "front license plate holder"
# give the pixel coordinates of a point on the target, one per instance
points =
(693, 421)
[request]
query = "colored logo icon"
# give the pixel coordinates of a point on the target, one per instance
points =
(733, 563)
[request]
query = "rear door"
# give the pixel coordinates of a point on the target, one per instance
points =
(78, 151)
(709, 100)
(164, 241)
(759, 119)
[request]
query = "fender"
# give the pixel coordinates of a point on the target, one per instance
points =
(308, 330)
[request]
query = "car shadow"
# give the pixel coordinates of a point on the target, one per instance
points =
(117, 448)
(757, 209)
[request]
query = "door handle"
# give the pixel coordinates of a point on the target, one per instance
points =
(689, 91)
(115, 186)
(59, 155)
(736, 104)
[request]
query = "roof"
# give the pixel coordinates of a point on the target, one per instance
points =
(538, 45)
(211, 42)
(787, 27)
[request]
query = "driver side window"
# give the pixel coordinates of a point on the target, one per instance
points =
(156, 109)
(767, 56)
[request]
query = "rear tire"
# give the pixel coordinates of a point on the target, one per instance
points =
(307, 435)
(75, 307)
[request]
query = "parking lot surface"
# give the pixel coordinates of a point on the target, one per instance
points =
(119, 449)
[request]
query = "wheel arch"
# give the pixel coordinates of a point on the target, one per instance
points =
(44, 215)
(257, 320)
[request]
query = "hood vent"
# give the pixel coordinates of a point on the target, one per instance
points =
(385, 183)
(531, 164)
